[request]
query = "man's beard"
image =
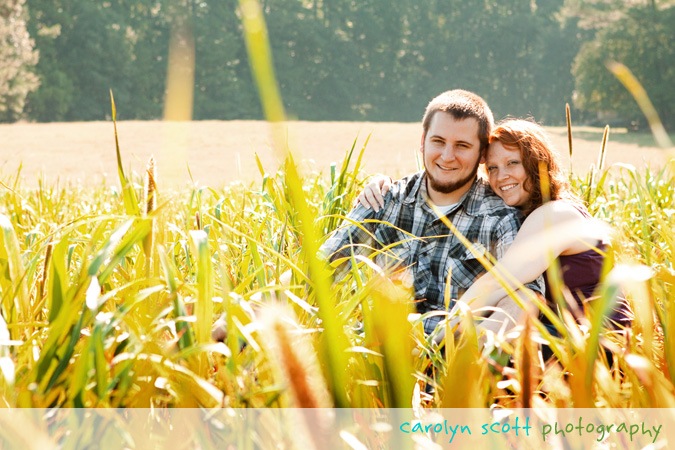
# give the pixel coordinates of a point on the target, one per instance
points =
(450, 187)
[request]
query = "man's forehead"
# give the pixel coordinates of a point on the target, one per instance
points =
(465, 125)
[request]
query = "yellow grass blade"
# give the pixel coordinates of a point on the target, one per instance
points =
(335, 342)
(391, 306)
(631, 83)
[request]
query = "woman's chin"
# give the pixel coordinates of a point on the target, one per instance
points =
(513, 202)
(509, 201)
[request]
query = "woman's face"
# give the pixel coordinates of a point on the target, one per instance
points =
(506, 174)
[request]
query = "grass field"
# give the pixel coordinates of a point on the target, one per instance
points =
(218, 153)
(108, 299)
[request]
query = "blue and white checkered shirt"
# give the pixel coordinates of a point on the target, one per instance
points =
(481, 216)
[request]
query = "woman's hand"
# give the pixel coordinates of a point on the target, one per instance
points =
(373, 194)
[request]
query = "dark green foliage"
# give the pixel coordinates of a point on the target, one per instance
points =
(643, 39)
(89, 48)
(344, 60)
(223, 85)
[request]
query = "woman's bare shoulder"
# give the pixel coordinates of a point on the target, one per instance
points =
(574, 231)
(557, 210)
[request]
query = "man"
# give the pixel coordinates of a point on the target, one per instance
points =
(456, 127)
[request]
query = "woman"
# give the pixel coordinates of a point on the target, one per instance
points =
(562, 228)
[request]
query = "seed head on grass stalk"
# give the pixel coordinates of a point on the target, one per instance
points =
(150, 202)
(603, 148)
(569, 134)
(297, 366)
(45, 271)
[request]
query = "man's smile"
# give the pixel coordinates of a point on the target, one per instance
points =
(445, 168)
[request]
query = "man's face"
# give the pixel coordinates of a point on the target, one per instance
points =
(451, 150)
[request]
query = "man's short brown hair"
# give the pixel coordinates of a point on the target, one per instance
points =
(460, 105)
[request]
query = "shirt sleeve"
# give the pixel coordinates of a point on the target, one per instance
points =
(354, 234)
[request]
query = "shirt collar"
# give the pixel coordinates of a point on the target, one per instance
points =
(420, 183)
(471, 200)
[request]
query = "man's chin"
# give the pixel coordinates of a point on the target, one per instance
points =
(448, 187)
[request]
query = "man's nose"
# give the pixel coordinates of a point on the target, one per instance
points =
(448, 153)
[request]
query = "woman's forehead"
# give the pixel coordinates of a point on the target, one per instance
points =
(497, 150)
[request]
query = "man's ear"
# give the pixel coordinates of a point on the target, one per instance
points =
(483, 155)
(422, 144)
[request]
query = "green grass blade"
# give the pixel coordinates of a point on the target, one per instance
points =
(58, 278)
(135, 236)
(16, 303)
(204, 307)
(128, 193)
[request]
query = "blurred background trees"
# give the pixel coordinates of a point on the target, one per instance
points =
(641, 36)
(17, 58)
(379, 60)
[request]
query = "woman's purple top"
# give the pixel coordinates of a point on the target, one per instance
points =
(581, 274)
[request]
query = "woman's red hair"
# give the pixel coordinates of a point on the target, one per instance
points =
(535, 148)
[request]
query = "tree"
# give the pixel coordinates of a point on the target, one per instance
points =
(17, 58)
(643, 39)
(88, 48)
(224, 87)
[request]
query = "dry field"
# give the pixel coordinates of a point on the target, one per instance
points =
(218, 152)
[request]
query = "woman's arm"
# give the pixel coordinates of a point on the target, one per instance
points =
(553, 229)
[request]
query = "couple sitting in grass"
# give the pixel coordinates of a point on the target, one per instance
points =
(506, 215)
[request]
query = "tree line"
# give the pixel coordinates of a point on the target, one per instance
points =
(378, 60)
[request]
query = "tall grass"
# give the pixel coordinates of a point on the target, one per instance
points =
(83, 324)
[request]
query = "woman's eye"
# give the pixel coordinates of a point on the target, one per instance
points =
(491, 168)
(513, 163)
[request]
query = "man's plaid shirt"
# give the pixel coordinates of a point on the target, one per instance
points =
(481, 216)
